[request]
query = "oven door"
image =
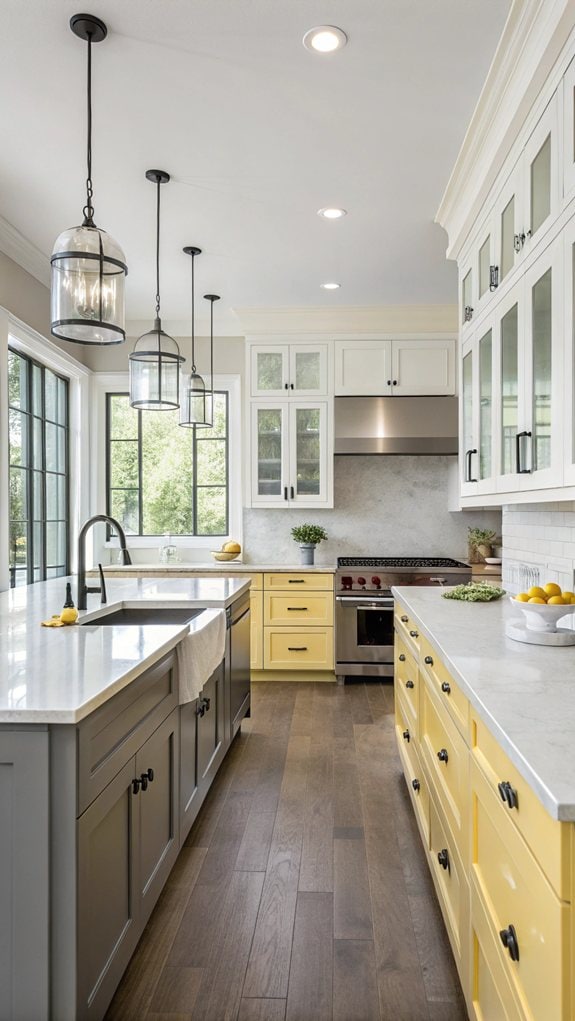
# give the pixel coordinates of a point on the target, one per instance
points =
(364, 631)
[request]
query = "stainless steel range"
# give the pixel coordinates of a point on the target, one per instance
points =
(364, 606)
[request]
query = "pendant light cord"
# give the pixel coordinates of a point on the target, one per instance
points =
(193, 318)
(88, 208)
(158, 251)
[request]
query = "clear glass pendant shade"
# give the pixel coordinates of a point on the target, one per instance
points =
(87, 293)
(155, 371)
(197, 404)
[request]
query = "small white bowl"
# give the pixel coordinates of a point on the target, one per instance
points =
(540, 617)
(492, 560)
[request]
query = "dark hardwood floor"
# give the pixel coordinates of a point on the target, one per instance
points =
(302, 893)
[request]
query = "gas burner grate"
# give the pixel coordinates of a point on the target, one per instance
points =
(398, 562)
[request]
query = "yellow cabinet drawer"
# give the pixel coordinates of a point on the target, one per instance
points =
(414, 774)
(491, 993)
(515, 893)
(442, 682)
(309, 608)
(256, 630)
(548, 839)
(407, 679)
(299, 582)
(406, 628)
(451, 887)
(307, 649)
(447, 758)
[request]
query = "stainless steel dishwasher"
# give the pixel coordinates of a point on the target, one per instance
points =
(238, 661)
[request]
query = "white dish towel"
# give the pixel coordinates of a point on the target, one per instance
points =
(198, 656)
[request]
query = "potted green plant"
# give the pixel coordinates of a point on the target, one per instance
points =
(481, 541)
(308, 537)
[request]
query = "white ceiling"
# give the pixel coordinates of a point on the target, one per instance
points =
(257, 133)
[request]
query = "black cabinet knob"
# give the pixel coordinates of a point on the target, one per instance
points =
(136, 785)
(443, 858)
(147, 777)
(409, 684)
(508, 794)
(446, 687)
(428, 660)
(404, 619)
(406, 735)
(395, 382)
(414, 634)
(389, 382)
(510, 941)
(416, 784)
(206, 704)
(442, 755)
(402, 657)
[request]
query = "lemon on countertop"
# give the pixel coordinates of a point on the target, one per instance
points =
(568, 597)
(556, 601)
(536, 592)
(536, 599)
(522, 597)
(551, 589)
(231, 547)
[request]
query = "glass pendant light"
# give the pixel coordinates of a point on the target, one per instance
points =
(194, 407)
(210, 395)
(88, 267)
(155, 360)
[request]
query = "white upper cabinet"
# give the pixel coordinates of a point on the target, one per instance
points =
(477, 414)
(291, 463)
(402, 368)
(542, 180)
(569, 335)
(569, 131)
(286, 370)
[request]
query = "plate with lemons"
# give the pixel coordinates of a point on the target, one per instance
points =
(543, 605)
(229, 551)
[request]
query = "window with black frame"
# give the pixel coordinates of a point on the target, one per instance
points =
(163, 478)
(38, 434)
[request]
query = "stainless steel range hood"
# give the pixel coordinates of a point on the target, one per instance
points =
(396, 425)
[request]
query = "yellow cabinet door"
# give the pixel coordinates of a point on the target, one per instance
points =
(527, 920)
(256, 630)
(447, 689)
(306, 649)
(452, 888)
(491, 993)
(407, 679)
(415, 776)
(299, 582)
(446, 756)
(309, 608)
(407, 628)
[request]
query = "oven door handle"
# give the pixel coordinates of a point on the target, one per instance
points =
(383, 603)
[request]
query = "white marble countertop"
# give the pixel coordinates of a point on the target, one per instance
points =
(221, 567)
(525, 694)
(60, 675)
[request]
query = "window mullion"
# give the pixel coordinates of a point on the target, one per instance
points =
(140, 477)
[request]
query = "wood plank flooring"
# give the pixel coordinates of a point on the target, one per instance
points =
(302, 893)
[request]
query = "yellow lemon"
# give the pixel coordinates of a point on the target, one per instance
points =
(556, 601)
(232, 547)
(69, 615)
(552, 589)
(568, 596)
(537, 593)
(522, 598)
(536, 599)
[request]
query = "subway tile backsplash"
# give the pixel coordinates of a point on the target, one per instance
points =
(538, 543)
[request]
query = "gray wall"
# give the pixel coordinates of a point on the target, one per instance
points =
(229, 355)
(384, 506)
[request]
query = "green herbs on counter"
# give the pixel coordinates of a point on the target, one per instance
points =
(474, 592)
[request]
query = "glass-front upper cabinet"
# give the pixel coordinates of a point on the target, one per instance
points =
(467, 296)
(308, 446)
(285, 370)
(569, 131)
(477, 452)
(468, 445)
(289, 463)
(569, 380)
(507, 225)
(542, 184)
(486, 405)
(270, 465)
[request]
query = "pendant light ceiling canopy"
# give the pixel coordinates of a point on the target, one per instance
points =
(88, 267)
(196, 406)
(155, 360)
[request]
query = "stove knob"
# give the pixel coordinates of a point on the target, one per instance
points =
(376, 581)
(361, 581)
(347, 582)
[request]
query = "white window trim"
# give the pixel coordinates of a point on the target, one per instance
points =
(17, 335)
(117, 382)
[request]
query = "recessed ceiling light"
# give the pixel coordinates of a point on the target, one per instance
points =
(324, 39)
(330, 287)
(332, 213)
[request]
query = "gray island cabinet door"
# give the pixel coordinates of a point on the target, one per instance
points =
(211, 724)
(158, 844)
(189, 790)
(108, 885)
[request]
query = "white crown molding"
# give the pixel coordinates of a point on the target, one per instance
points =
(534, 35)
(23, 252)
(349, 319)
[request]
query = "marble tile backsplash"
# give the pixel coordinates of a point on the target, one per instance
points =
(538, 545)
(384, 506)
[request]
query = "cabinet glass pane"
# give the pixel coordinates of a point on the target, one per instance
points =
(466, 294)
(307, 370)
(507, 237)
(509, 390)
(468, 402)
(269, 466)
(541, 185)
(485, 405)
(541, 321)
(484, 257)
(308, 451)
(269, 373)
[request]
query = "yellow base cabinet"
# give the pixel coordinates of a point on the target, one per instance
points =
(307, 649)
(256, 629)
(503, 869)
(298, 622)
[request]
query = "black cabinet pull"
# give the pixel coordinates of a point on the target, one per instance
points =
(406, 736)
(467, 314)
(296, 581)
(446, 687)
(285, 492)
(291, 386)
(442, 755)
(508, 794)
(468, 455)
(395, 382)
(286, 386)
(202, 706)
(292, 492)
(404, 619)
(493, 278)
(510, 941)
(136, 785)
(297, 648)
(409, 684)
(443, 858)
(520, 470)
(207, 704)
(402, 657)
(416, 784)
(389, 382)
(414, 634)
(302, 608)
(428, 660)
(146, 777)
